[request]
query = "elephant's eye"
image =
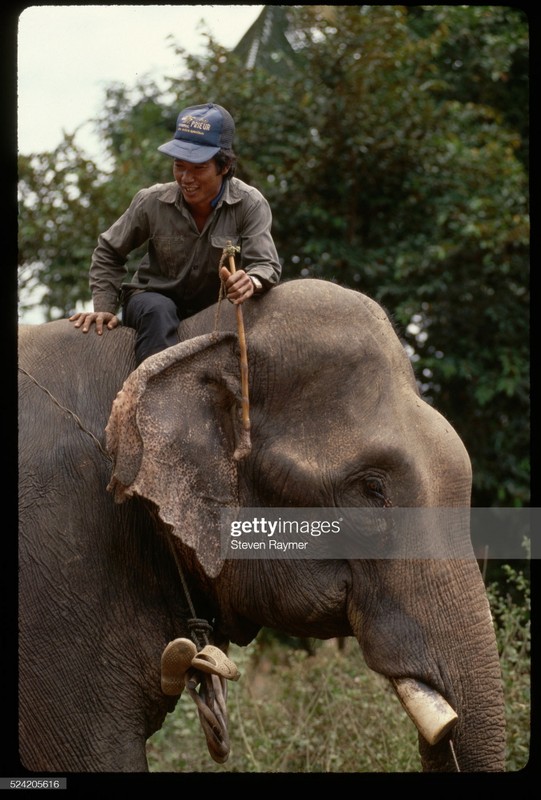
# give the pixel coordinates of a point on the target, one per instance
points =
(365, 488)
(374, 487)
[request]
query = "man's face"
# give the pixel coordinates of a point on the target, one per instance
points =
(199, 183)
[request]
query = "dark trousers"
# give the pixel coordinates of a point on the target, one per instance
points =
(155, 318)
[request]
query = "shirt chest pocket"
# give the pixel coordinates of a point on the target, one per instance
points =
(168, 255)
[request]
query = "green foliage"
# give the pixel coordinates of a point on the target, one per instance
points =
(483, 58)
(59, 193)
(394, 157)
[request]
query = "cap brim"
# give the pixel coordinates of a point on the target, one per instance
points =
(187, 151)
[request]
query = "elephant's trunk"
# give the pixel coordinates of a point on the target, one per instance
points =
(439, 614)
(478, 737)
(448, 741)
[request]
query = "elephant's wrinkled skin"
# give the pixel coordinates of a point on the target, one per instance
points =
(333, 405)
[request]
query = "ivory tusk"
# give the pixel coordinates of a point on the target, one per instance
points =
(431, 713)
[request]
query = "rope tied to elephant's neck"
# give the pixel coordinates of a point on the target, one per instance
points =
(211, 698)
(71, 413)
(212, 709)
(200, 629)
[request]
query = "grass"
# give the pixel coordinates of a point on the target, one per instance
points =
(294, 712)
(510, 602)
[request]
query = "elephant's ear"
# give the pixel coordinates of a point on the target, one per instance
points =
(172, 434)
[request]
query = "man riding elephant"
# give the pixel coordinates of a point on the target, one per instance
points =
(186, 223)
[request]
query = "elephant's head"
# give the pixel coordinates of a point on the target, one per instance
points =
(336, 421)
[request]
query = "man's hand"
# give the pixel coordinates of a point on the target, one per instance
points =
(238, 286)
(98, 318)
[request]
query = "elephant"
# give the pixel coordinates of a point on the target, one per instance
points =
(125, 471)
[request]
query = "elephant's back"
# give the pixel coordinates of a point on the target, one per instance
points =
(62, 352)
(59, 366)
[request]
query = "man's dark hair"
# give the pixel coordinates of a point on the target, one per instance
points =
(226, 158)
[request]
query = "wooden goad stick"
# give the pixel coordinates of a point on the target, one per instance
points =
(244, 446)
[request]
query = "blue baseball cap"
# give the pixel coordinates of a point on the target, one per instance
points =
(201, 132)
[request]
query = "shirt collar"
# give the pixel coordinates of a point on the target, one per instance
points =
(219, 196)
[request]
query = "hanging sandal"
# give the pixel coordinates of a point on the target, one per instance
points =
(212, 659)
(176, 660)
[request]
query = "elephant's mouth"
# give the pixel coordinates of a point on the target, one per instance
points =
(431, 713)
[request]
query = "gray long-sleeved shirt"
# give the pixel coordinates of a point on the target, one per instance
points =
(182, 262)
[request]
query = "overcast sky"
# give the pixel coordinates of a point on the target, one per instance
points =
(67, 55)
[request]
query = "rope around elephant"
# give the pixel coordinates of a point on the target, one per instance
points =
(71, 413)
(207, 666)
(209, 669)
